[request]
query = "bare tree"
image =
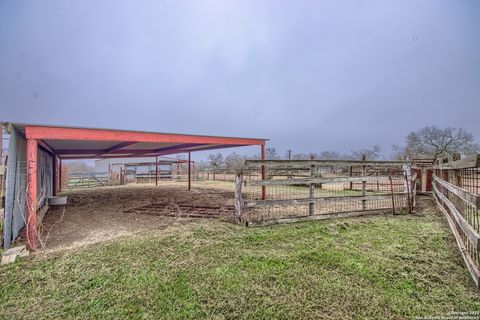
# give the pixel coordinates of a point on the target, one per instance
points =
(234, 161)
(329, 155)
(373, 153)
(215, 160)
(324, 155)
(202, 164)
(78, 166)
(300, 156)
(271, 154)
(442, 143)
(398, 152)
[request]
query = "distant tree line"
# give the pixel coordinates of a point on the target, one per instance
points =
(429, 141)
(78, 166)
(234, 160)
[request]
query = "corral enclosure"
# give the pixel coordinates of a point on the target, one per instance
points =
(318, 189)
(272, 192)
(277, 191)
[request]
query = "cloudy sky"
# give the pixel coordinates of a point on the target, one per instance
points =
(309, 75)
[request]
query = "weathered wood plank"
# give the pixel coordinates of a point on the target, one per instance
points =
(392, 193)
(364, 185)
(311, 206)
(464, 225)
(466, 196)
(315, 217)
(289, 202)
(471, 265)
(413, 177)
(320, 163)
(314, 180)
(239, 203)
(470, 162)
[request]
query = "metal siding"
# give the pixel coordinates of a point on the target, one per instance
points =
(10, 190)
(15, 213)
(44, 177)
(16, 187)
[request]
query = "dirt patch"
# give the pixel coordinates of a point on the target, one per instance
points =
(182, 210)
(100, 214)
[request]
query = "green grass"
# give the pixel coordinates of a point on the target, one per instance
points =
(366, 268)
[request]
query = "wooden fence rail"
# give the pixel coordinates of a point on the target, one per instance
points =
(324, 193)
(455, 188)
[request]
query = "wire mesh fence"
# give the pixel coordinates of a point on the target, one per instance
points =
(296, 189)
(456, 189)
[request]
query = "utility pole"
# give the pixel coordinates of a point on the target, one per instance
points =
(289, 152)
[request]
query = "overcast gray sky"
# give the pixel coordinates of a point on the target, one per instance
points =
(309, 75)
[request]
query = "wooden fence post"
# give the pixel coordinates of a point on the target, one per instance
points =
(364, 184)
(311, 205)
(393, 196)
(239, 204)
(351, 174)
(407, 183)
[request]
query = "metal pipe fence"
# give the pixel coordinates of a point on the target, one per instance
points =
(77, 180)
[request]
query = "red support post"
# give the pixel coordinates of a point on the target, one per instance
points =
(32, 151)
(156, 170)
(189, 170)
(264, 191)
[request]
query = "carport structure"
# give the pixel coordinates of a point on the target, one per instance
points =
(83, 143)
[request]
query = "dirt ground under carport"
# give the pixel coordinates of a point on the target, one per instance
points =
(100, 214)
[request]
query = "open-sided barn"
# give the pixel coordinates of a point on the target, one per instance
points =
(36, 153)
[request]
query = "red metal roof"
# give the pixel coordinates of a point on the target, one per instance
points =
(87, 143)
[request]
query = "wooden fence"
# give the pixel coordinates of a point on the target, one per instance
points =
(224, 174)
(331, 189)
(456, 187)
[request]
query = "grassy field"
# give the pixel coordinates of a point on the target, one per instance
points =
(391, 267)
